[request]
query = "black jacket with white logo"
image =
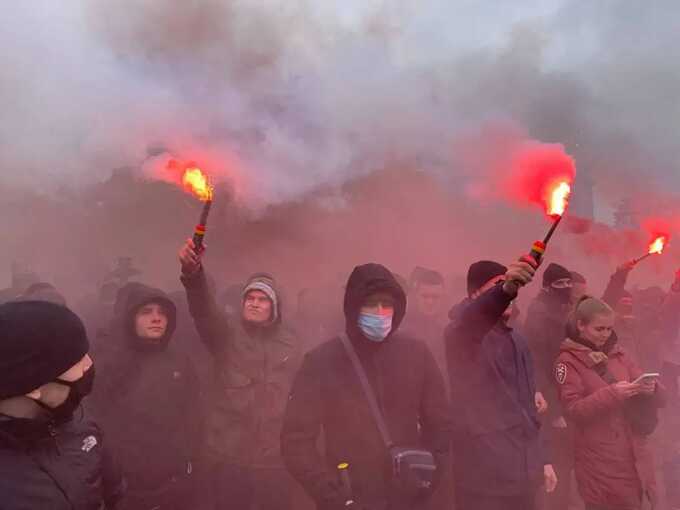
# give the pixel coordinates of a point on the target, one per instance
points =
(56, 467)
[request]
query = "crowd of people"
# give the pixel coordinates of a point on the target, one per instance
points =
(222, 400)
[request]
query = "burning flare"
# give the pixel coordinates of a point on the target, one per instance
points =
(197, 182)
(657, 246)
(559, 197)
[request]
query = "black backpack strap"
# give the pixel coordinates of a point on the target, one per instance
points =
(368, 390)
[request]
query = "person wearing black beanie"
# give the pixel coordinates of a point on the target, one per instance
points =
(45, 372)
(481, 273)
(499, 461)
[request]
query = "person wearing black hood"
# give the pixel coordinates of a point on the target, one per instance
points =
(52, 456)
(329, 394)
(147, 401)
(255, 360)
(499, 461)
(544, 329)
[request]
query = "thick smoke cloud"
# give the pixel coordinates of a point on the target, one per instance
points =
(325, 122)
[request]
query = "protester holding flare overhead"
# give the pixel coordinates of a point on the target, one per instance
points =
(255, 360)
(499, 461)
(669, 321)
(611, 410)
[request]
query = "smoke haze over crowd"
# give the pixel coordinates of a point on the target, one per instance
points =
(337, 133)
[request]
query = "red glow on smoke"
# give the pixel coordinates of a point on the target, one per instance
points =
(540, 174)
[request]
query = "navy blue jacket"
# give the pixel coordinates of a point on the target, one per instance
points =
(496, 440)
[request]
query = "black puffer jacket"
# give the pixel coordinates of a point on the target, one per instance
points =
(327, 394)
(56, 467)
(147, 397)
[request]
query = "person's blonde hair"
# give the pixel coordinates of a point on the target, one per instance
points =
(585, 311)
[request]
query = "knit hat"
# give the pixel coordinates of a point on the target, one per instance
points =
(43, 291)
(39, 341)
(265, 283)
(424, 276)
(578, 277)
(481, 272)
(553, 273)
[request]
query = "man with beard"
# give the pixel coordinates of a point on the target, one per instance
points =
(329, 395)
(498, 459)
(147, 401)
(255, 361)
(52, 456)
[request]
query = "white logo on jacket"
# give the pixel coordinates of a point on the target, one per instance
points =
(88, 443)
(561, 372)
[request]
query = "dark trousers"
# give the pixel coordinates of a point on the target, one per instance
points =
(562, 444)
(466, 500)
(243, 488)
(178, 493)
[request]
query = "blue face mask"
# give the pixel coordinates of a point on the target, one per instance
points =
(375, 327)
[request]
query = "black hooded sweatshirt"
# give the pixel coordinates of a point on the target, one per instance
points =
(147, 397)
(327, 393)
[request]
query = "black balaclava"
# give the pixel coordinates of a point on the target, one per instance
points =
(553, 273)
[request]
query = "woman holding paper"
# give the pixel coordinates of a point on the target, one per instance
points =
(612, 409)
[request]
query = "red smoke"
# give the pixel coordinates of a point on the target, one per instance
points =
(659, 230)
(535, 170)
(504, 163)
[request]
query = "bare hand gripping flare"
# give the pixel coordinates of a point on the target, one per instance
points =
(197, 182)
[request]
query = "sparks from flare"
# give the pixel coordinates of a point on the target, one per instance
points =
(197, 182)
(559, 198)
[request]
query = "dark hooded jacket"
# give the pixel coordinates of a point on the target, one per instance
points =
(544, 329)
(147, 397)
(254, 369)
(496, 442)
(327, 394)
(65, 466)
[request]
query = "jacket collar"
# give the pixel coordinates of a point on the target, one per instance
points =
(587, 356)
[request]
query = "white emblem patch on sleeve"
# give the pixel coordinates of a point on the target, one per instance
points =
(561, 372)
(88, 443)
